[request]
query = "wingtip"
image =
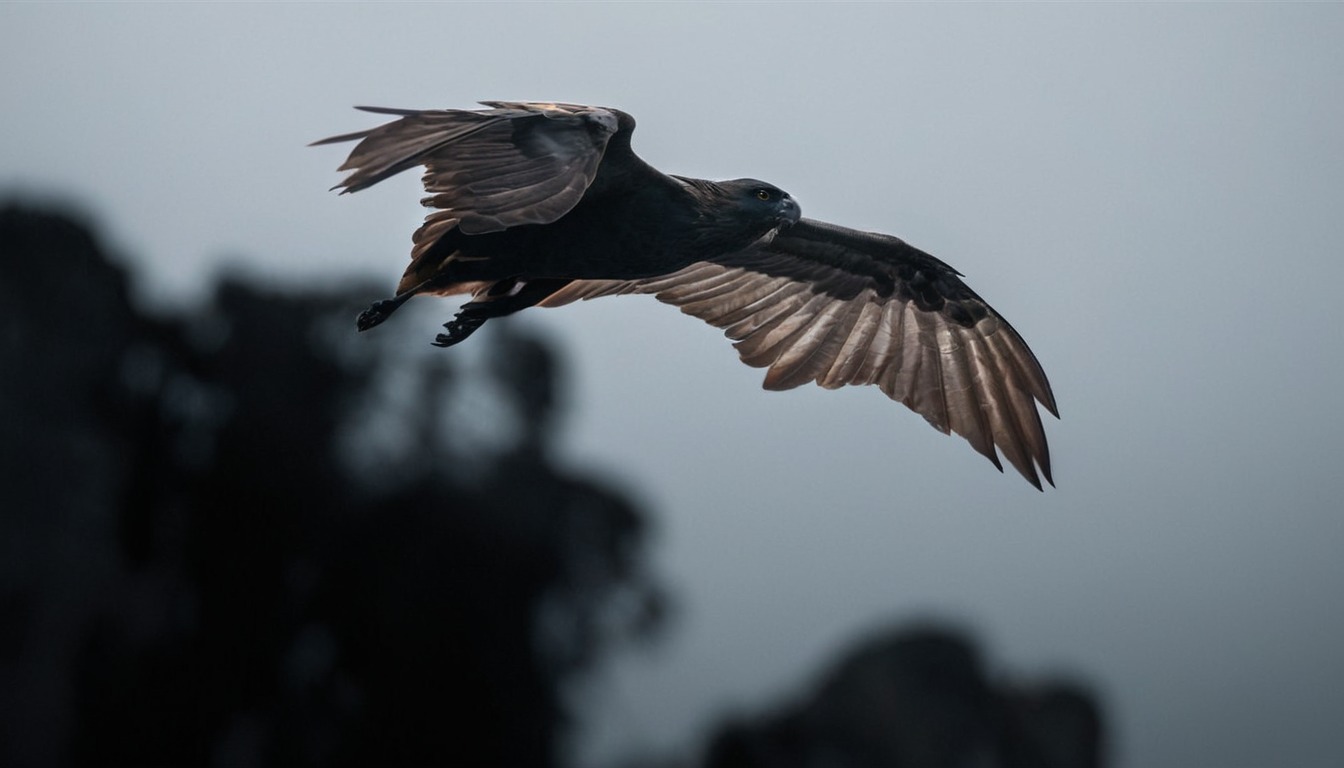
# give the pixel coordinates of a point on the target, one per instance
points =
(1032, 477)
(388, 110)
(987, 450)
(1051, 405)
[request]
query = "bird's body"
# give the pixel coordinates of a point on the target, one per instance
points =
(603, 237)
(544, 204)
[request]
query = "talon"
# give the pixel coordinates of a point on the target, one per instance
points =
(378, 312)
(458, 329)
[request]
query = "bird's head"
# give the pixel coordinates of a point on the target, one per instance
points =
(765, 201)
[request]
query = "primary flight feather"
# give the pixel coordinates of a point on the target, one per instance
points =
(543, 204)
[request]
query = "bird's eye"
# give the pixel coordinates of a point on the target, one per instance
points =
(762, 194)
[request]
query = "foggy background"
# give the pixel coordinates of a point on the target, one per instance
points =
(1149, 193)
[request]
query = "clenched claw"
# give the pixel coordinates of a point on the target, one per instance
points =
(379, 311)
(459, 328)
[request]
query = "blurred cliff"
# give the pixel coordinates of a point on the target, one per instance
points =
(245, 535)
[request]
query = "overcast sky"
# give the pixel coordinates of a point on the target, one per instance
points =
(1152, 194)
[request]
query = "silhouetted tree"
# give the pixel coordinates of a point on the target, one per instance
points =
(246, 535)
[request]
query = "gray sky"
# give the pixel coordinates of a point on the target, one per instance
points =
(1150, 193)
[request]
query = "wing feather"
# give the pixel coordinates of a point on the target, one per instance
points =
(1007, 433)
(967, 410)
(714, 289)
(913, 374)
(804, 356)
(888, 342)
(742, 322)
(850, 356)
(761, 346)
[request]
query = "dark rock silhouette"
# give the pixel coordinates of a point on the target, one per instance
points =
(210, 557)
(918, 698)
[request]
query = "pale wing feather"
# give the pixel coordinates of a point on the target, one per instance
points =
(819, 347)
(851, 353)
(966, 407)
(1007, 433)
(744, 315)
(766, 344)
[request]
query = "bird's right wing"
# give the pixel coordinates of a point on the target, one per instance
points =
(819, 302)
(487, 170)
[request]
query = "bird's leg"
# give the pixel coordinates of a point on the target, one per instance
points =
(463, 324)
(379, 311)
(503, 298)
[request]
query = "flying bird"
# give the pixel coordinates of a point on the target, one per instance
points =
(538, 204)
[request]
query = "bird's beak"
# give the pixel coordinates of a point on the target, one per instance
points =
(789, 212)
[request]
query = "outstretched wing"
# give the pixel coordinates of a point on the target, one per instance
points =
(487, 170)
(838, 306)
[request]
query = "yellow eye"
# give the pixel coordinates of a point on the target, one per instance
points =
(763, 194)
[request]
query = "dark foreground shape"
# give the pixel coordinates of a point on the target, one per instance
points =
(214, 556)
(920, 698)
(544, 204)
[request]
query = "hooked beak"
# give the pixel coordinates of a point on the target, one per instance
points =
(789, 212)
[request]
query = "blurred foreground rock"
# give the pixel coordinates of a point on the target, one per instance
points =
(919, 699)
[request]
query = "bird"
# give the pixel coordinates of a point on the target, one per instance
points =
(539, 204)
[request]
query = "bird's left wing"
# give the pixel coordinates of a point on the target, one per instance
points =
(837, 306)
(490, 169)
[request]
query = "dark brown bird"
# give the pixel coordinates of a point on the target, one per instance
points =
(543, 204)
